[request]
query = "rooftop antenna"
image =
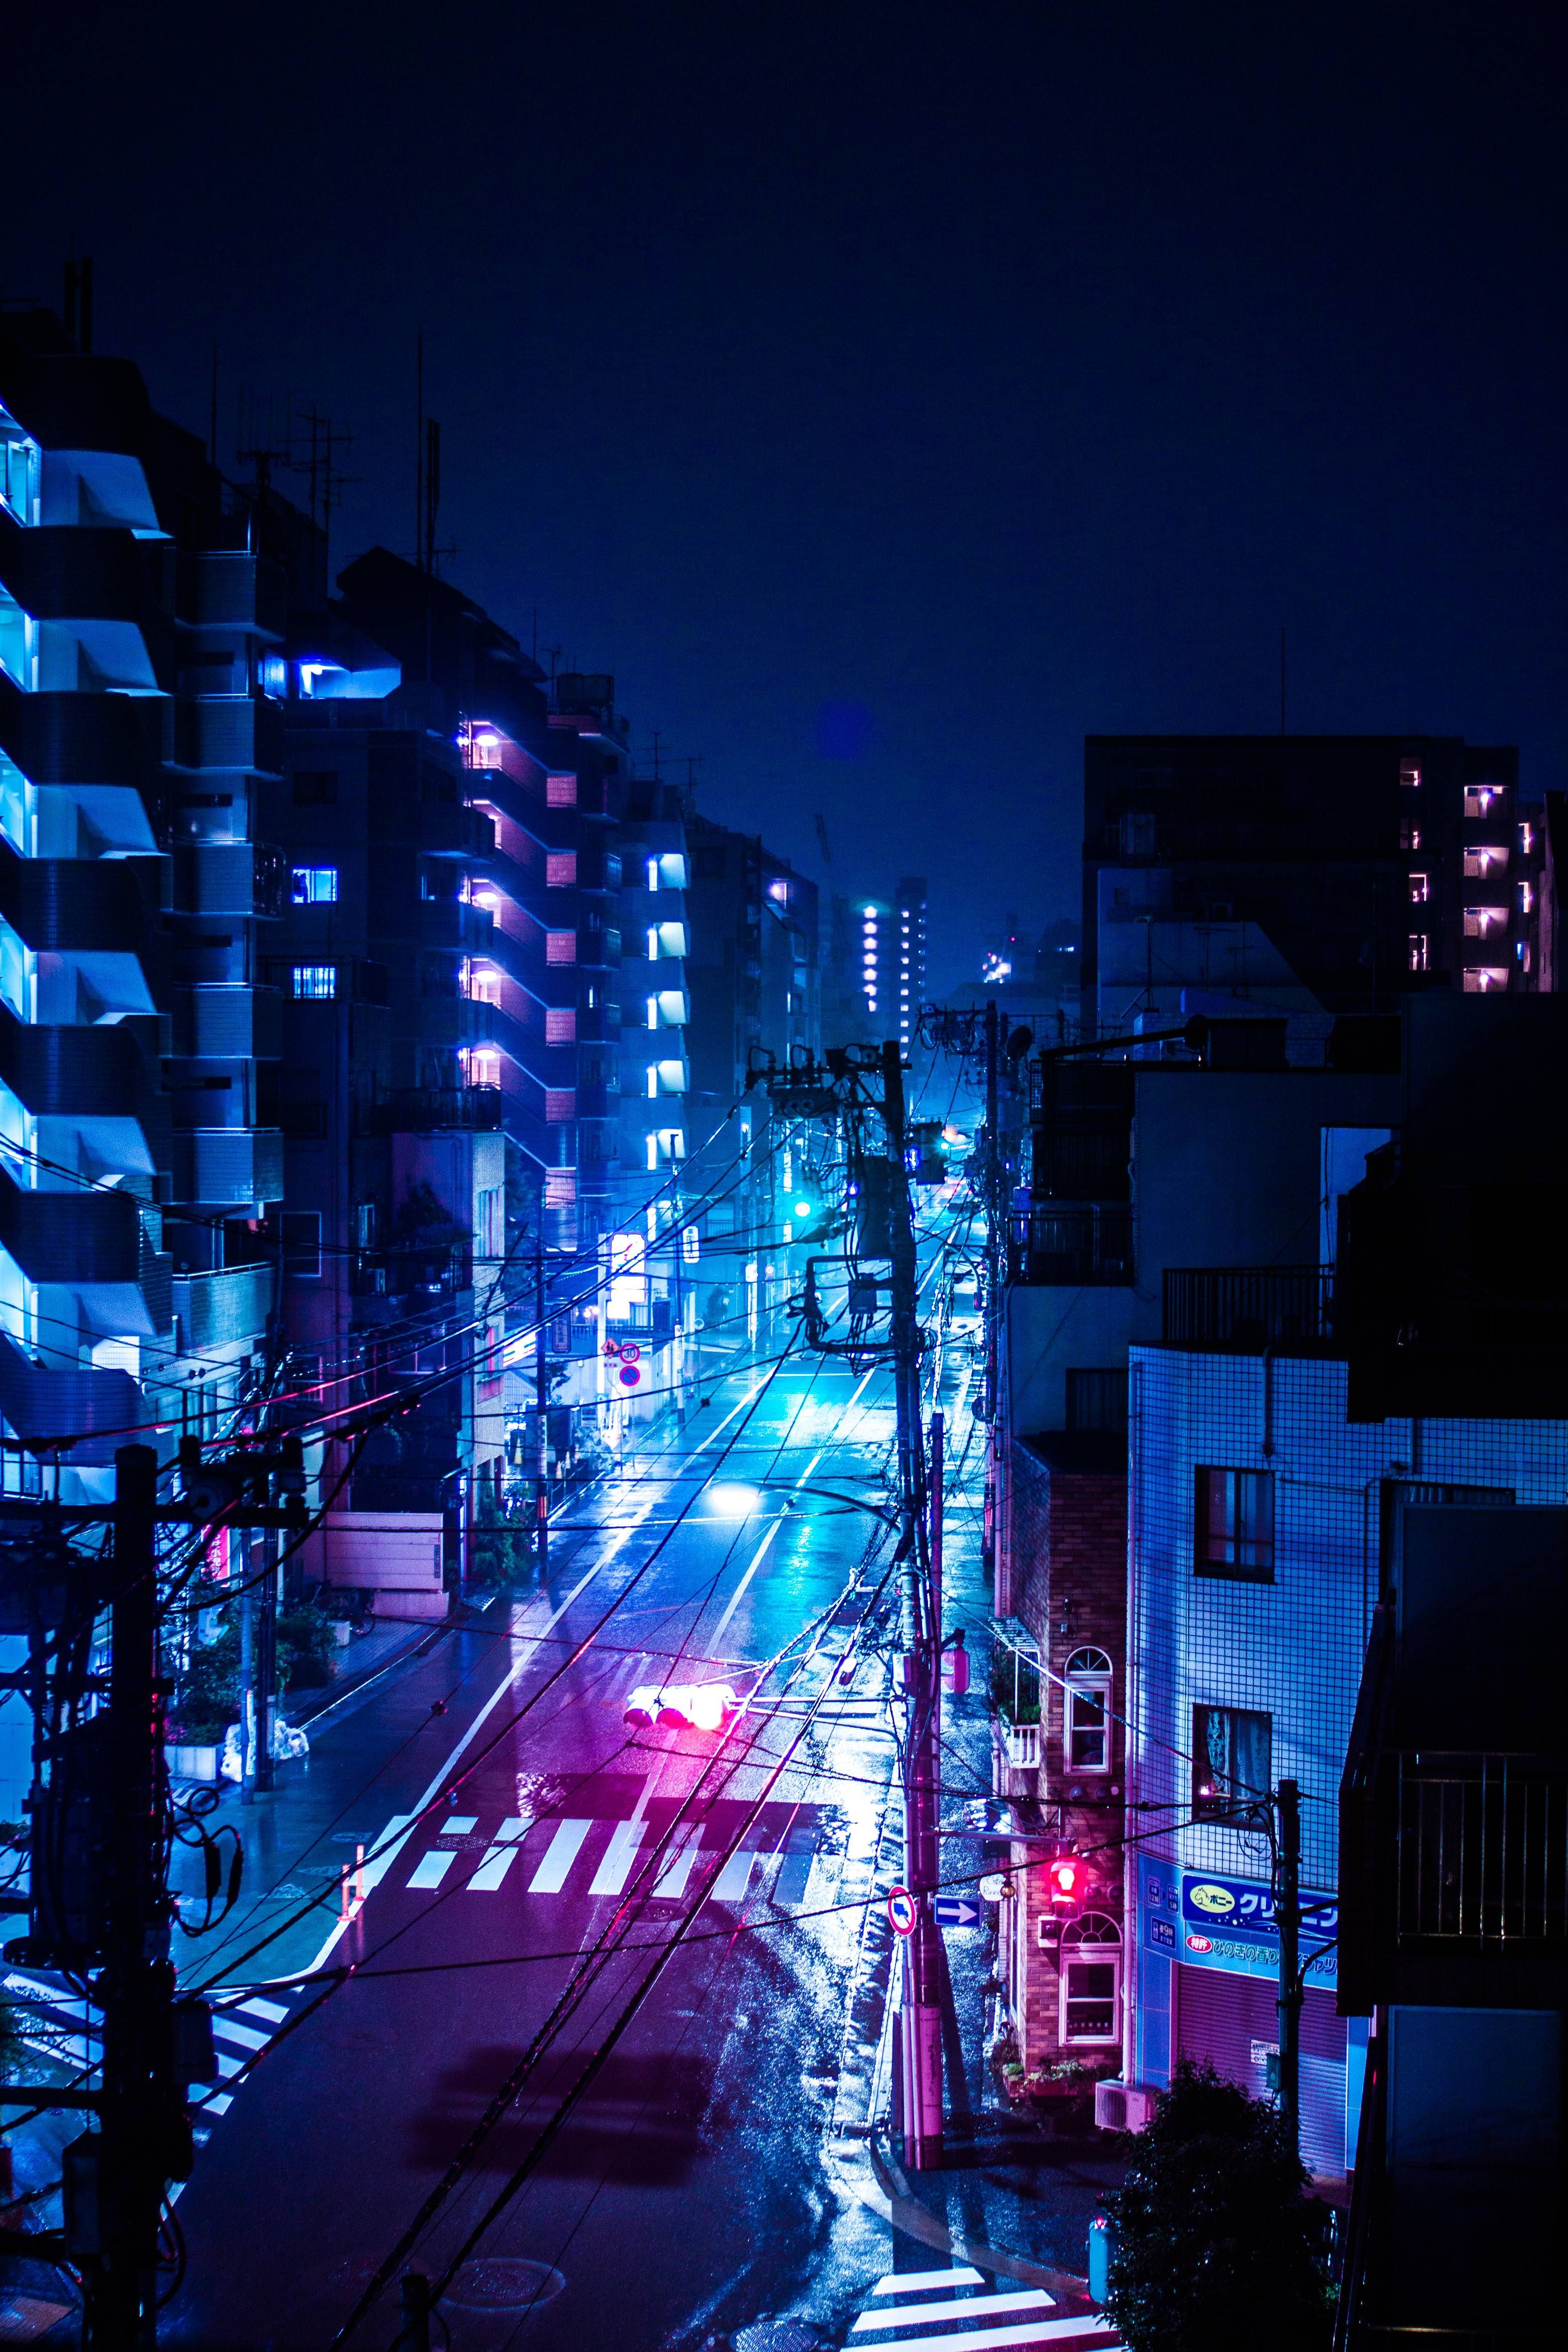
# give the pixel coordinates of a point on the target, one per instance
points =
(656, 744)
(212, 431)
(432, 489)
(1282, 677)
(821, 823)
(418, 446)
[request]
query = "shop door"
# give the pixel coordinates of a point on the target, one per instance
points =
(1231, 2021)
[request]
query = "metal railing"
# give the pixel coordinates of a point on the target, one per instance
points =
(1246, 1308)
(1483, 1849)
(1086, 1245)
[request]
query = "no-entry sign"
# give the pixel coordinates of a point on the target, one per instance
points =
(903, 1911)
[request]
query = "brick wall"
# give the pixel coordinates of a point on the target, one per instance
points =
(1070, 1579)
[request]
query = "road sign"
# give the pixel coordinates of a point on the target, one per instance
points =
(955, 1911)
(993, 1886)
(612, 1348)
(631, 1376)
(630, 1352)
(903, 1911)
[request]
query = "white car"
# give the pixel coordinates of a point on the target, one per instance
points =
(682, 1707)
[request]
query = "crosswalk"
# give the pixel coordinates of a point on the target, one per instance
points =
(789, 1852)
(58, 2023)
(954, 2310)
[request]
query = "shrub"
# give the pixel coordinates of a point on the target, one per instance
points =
(1213, 2236)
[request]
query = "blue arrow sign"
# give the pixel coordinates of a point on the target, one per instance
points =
(955, 1911)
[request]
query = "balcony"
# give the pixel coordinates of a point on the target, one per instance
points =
(63, 572)
(651, 1320)
(222, 1307)
(237, 878)
(229, 732)
(69, 1072)
(227, 1021)
(448, 831)
(1243, 1310)
(90, 739)
(227, 1167)
(66, 905)
(1070, 1246)
(86, 1414)
(453, 923)
(430, 1110)
(455, 1021)
(70, 1237)
(226, 588)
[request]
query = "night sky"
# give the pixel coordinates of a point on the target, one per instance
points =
(888, 397)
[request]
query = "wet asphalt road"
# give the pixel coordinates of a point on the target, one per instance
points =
(686, 2194)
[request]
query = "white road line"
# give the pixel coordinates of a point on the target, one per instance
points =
(956, 2307)
(499, 1856)
(757, 1558)
(922, 2282)
(459, 1825)
(431, 1868)
(271, 2009)
(246, 2035)
(1091, 2330)
(671, 1883)
(735, 1877)
(564, 1848)
(612, 1873)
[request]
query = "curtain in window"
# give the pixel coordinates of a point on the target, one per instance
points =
(1238, 1752)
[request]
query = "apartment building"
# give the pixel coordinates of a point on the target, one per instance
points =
(140, 1168)
(1322, 873)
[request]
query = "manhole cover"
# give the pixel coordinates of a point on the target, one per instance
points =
(503, 2283)
(778, 2336)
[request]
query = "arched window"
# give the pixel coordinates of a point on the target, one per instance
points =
(1086, 1734)
(1090, 2011)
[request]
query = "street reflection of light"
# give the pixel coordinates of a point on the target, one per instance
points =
(732, 1502)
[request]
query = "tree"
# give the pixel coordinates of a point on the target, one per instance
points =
(1214, 2237)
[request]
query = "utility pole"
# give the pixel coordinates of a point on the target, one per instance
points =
(266, 1664)
(920, 2036)
(140, 2099)
(994, 1262)
(541, 1411)
(246, 1682)
(1288, 1918)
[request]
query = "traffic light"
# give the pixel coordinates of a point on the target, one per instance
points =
(808, 1218)
(1065, 1875)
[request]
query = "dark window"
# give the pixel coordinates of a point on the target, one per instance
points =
(1233, 1531)
(315, 787)
(435, 784)
(302, 1243)
(1097, 1400)
(708, 865)
(1232, 1764)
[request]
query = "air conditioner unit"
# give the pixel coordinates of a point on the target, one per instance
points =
(1123, 2107)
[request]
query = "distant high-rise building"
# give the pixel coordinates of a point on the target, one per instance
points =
(1315, 872)
(893, 959)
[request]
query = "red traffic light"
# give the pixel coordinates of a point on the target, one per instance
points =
(1067, 1881)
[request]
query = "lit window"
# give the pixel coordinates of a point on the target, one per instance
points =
(652, 1080)
(1086, 1743)
(484, 1069)
(653, 874)
(1409, 776)
(1418, 950)
(1410, 836)
(653, 1013)
(315, 979)
(1233, 1763)
(1481, 922)
(484, 984)
(653, 1151)
(1481, 799)
(1485, 861)
(1483, 980)
(1526, 898)
(1526, 839)
(1090, 1980)
(1420, 890)
(1234, 1532)
(653, 943)
(315, 885)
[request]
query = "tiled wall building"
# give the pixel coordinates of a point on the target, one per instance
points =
(1256, 1513)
